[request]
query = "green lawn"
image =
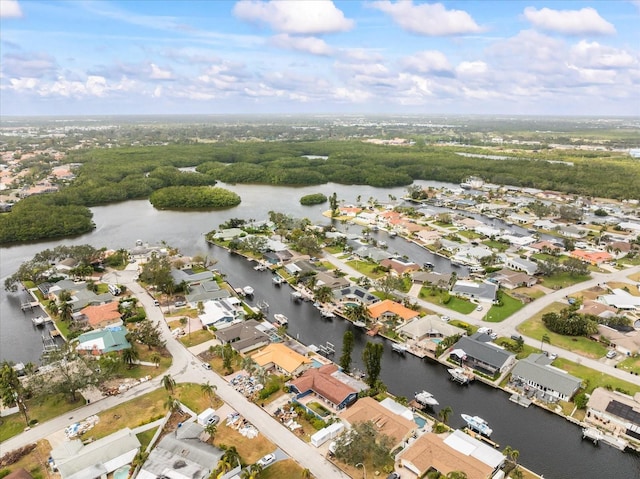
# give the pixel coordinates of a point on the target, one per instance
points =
(469, 234)
(196, 337)
(595, 379)
(630, 364)
(366, 268)
(534, 328)
(333, 249)
(41, 409)
(496, 245)
(145, 437)
(562, 280)
(463, 306)
(509, 306)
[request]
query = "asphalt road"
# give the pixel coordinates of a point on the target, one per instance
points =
(186, 368)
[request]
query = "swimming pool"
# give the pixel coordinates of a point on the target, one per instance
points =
(419, 420)
(353, 305)
(436, 340)
(121, 473)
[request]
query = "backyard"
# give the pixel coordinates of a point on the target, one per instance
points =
(435, 296)
(594, 379)
(509, 306)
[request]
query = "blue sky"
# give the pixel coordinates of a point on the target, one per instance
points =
(512, 57)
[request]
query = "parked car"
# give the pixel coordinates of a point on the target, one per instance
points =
(267, 460)
(479, 308)
(446, 318)
(493, 336)
(553, 356)
(156, 302)
(215, 419)
(611, 354)
(206, 365)
(179, 304)
(393, 475)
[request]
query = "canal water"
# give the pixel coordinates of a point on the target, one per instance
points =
(547, 443)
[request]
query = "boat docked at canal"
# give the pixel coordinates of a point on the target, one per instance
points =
(399, 348)
(425, 398)
(278, 280)
(248, 291)
(476, 423)
(459, 375)
(360, 324)
(281, 319)
(326, 314)
(38, 320)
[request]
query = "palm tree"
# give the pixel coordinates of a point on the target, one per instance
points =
(251, 472)
(172, 404)
(129, 356)
(208, 390)
(211, 430)
(248, 364)
(444, 414)
(53, 307)
(545, 339)
(456, 475)
(515, 454)
(168, 383)
(306, 474)
(516, 473)
(65, 311)
(231, 455)
(155, 359)
(324, 294)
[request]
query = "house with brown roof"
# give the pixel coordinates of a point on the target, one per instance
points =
(101, 316)
(454, 452)
(545, 247)
(282, 359)
(389, 309)
(397, 427)
(324, 383)
(398, 266)
(243, 337)
(510, 279)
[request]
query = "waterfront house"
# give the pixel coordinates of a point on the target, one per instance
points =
(440, 280)
(480, 291)
(520, 264)
(428, 328)
(545, 247)
(478, 353)
(548, 383)
(620, 299)
(328, 384)
(221, 313)
(626, 342)
(189, 277)
(330, 280)
(397, 427)
(243, 337)
(429, 236)
(80, 295)
(229, 234)
(399, 266)
(181, 454)
(103, 341)
(456, 451)
(75, 460)
(390, 310)
(205, 291)
(282, 359)
(354, 293)
(614, 410)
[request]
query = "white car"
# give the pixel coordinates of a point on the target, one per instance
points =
(553, 356)
(479, 308)
(267, 460)
(611, 354)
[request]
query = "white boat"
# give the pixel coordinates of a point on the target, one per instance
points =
(426, 399)
(478, 424)
(393, 234)
(399, 348)
(281, 319)
(260, 267)
(360, 324)
(278, 280)
(38, 320)
(248, 290)
(325, 313)
(296, 295)
(459, 375)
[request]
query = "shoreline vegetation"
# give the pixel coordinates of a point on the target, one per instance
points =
(110, 175)
(193, 197)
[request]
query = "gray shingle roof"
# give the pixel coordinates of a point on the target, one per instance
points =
(486, 352)
(532, 369)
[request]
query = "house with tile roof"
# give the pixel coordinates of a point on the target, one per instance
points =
(592, 257)
(397, 427)
(101, 316)
(398, 266)
(326, 384)
(282, 359)
(509, 279)
(389, 309)
(456, 451)
(548, 382)
(103, 341)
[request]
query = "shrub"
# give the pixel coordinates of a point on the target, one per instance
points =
(314, 199)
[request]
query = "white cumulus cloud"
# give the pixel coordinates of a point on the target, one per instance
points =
(429, 61)
(569, 22)
(158, 73)
(471, 68)
(313, 45)
(428, 19)
(594, 55)
(10, 9)
(301, 16)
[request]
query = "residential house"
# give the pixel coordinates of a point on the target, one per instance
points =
(75, 460)
(546, 247)
(626, 341)
(103, 341)
(282, 359)
(349, 211)
(431, 277)
(67, 264)
(373, 253)
(429, 236)
(429, 327)
(205, 291)
(80, 295)
(592, 257)
(327, 383)
(621, 299)
(480, 291)
(519, 264)
(454, 452)
(229, 234)
(330, 280)
(397, 427)
(399, 266)
(478, 353)
(181, 454)
(101, 316)
(465, 223)
(595, 308)
(243, 337)
(471, 255)
(354, 293)
(549, 383)
(519, 241)
(189, 277)
(509, 279)
(569, 231)
(450, 246)
(488, 231)
(221, 313)
(388, 309)
(616, 410)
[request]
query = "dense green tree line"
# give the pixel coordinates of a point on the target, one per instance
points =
(180, 197)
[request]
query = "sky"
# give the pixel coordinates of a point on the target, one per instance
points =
(512, 57)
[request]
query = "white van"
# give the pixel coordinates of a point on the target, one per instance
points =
(114, 290)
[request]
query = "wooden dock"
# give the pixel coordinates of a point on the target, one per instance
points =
(480, 437)
(520, 400)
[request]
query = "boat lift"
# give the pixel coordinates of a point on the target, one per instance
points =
(327, 349)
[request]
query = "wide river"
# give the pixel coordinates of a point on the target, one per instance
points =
(548, 444)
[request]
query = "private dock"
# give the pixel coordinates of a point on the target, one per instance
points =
(520, 400)
(592, 434)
